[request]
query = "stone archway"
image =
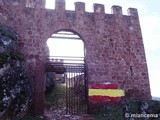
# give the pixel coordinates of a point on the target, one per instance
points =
(40, 72)
(67, 65)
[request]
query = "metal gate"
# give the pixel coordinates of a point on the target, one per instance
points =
(73, 71)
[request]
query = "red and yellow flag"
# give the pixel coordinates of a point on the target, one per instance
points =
(105, 92)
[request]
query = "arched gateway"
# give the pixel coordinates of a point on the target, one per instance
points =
(67, 65)
(113, 43)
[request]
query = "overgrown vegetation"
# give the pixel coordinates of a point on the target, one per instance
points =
(118, 112)
(55, 97)
(30, 116)
(15, 89)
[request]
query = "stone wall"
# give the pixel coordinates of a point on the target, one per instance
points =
(113, 42)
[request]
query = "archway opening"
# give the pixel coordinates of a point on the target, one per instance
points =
(64, 43)
(66, 72)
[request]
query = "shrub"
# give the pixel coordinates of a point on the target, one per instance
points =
(14, 86)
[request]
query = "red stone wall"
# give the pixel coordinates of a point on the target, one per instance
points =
(113, 42)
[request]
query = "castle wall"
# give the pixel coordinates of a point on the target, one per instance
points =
(113, 42)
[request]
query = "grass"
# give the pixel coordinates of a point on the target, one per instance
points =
(30, 116)
(110, 112)
(51, 98)
(54, 97)
(117, 112)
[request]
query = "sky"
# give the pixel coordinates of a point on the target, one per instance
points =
(149, 16)
(66, 49)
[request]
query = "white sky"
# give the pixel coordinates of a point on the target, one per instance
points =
(149, 14)
(66, 47)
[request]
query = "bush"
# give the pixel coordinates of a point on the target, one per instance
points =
(14, 85)
(117, 112)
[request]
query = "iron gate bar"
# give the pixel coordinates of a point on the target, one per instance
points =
(75, 71)
(53, 67)
(65, 33)
(76, 81)
(86, 89)
(70, 38)
(65, 58)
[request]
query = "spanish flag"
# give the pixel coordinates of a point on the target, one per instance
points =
(105, 92)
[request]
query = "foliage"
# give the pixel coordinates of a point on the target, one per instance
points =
(8, 40)
(14, 86)
(54, 97)
(49, 99)
(8, 32)
(9, 57)
(117, 112)
(112, 112)
(29, 116)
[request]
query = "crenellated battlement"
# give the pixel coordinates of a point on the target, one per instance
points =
(132, 12)
(97, 8)
(60, 6)
(117, 10)
(80, 7)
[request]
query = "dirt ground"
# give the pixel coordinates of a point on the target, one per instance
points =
(59, 114)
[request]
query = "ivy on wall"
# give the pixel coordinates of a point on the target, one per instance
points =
(14, 86)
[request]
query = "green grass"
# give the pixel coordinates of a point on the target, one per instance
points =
(30, 116)
(50, 99)
(53, 98)
(113, 112)
(117, 112)
(109, 112)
